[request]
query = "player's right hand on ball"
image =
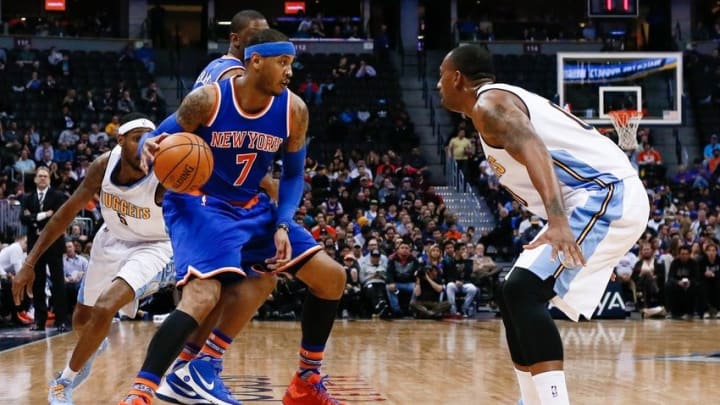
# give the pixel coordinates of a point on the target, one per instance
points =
(147, 155)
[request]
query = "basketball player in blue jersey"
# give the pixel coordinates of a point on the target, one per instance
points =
(563, 170)
(243, 26)
(219, 235)
(131, 251)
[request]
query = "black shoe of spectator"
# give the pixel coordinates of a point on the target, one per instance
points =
(63, 327)
(287, 316)
(382, 308)
(37, 328)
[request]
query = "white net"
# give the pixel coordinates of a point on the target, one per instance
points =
(626, 124)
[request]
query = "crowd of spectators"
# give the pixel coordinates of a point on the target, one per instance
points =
(85, 127)
(673, 270)
(401, 248)
(100, 24)
(543, 28)
(706, 25)
(320, 26)
(371, 208)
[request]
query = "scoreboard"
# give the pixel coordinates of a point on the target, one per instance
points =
(612, 8)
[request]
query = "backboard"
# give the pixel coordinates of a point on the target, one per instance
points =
(591, 84)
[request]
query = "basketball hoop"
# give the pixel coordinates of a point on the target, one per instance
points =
(626, 124)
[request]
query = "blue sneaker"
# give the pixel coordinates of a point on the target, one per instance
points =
(84, 372)
(173, 390)
(60, 392)
(202, 375)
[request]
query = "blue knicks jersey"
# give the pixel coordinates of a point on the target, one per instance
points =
(215, 69)
(243, 144)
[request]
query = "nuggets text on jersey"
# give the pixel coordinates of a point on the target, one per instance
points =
(124, 207)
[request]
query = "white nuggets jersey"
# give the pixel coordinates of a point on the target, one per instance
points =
(582, 157)
(130, 212)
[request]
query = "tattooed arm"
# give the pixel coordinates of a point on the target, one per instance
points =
(503, 121)
(195, 110)
(299, 123)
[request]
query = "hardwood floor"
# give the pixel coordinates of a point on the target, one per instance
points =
(411, 362)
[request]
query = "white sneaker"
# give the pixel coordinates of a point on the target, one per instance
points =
(60, 392)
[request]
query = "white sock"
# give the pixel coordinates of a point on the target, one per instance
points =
(551, 388)
(528, 392)
(68, 374)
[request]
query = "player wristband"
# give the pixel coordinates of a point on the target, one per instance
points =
(284, 226)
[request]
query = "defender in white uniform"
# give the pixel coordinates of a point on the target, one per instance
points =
(131, 255)
(132, 244)
(561, 169)
(605, 201)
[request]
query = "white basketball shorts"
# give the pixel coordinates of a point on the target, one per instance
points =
(606, 222)
(144, 266)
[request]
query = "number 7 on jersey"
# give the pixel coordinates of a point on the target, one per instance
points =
(246, 160)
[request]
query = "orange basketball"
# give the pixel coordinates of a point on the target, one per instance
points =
(183, 163)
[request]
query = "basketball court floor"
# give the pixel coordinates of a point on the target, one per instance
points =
(410, 362)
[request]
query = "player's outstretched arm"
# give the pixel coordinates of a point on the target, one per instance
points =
(59, 222)
(503, 121)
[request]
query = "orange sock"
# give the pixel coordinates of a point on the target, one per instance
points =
(310, 360)
(188, 352)
(144, 387)
(216, 344)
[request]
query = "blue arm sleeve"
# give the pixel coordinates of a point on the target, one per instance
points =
(170, 125)
(291, 185)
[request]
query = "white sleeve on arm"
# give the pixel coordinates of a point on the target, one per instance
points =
(17, 259)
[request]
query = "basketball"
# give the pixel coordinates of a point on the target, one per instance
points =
(183, 163)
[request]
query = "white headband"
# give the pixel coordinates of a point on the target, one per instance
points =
(134, 124)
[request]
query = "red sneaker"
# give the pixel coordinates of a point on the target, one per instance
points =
(309, 392)
(25, 318)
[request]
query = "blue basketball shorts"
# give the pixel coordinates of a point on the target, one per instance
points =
(211, 237)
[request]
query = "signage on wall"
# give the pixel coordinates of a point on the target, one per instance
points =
(21, 42)
(54, 5)
(532, 48)
(293, 7)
